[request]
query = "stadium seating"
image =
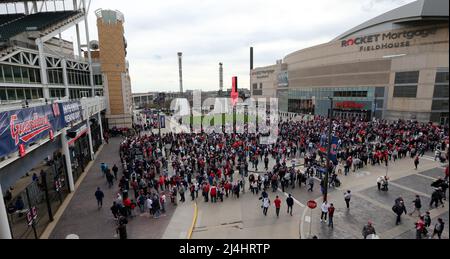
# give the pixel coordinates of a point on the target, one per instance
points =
(7, 18)
(33, 22)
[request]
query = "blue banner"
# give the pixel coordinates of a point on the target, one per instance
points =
(334, 148)
(71, 112)
(25, 126)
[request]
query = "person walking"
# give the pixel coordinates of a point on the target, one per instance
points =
(435, 198)
(330, 215)
(181, 191)
(416, 161)
(290, 204)
(103, 167)
(148, 204)
(427, 219)
(265, 205)
(379, 182)
(324, 207)
(115, 169)
(438, 228)
(420, 228)
(368, 230)
(417, 205)
(99, 196)
(122, 229)
(310, 183)
(192, 191)
(277, 203)
(399, 208)
(347, 197)
(109, 178)
(213, 194)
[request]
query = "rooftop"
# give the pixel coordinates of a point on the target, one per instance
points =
(421, 10)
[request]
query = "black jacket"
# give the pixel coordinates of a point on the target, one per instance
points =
(290, 201)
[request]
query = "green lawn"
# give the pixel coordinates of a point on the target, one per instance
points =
(226, 118)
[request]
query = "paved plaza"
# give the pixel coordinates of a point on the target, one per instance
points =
(243, 218)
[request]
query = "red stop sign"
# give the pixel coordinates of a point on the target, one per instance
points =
(312, 204)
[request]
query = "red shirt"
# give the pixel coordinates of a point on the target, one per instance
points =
(213, 191)
(277, 202)
(330, 211)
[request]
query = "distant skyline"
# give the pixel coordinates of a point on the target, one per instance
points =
(209, 32)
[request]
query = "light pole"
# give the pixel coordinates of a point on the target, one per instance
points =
(328, 169)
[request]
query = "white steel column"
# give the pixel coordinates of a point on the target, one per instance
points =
(5, 232)
(77, 27)
(91, 74)
(65, 80)
(43, 66)
(91, 148)
(101, 126)
(66, 152)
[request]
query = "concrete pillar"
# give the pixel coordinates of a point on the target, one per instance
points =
(43, 66)
(5, 232)
(66, 152)
(101, 126)
(91, 148)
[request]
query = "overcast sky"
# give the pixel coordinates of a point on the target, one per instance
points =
(213, 31)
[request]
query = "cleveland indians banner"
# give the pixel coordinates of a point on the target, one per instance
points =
(19, 128)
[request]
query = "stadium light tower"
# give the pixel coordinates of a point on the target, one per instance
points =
(180, 70)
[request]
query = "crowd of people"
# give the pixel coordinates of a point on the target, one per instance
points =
(219, 165)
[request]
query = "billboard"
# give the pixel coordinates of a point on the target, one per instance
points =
(71, 112)
(20, 128)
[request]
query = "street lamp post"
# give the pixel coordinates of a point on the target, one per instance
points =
(159, 128)
(330, 116)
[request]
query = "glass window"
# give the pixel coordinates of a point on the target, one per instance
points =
(20, 94)
(440, 105)
(38, 75)
(441, 91)
(17, 74)
(27, 93)
(408, 91)
(410, 77)
(3, 94)
(442, 77)
(25, 75)
(2, 78)
(60, 77)
(379, 104)
(40, 94)
(379, 92)
(7, 70)
(34, 93)
(11, 94)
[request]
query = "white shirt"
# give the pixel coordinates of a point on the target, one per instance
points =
(266, 202)
(325, 207)
(149, 203)
(347, 196)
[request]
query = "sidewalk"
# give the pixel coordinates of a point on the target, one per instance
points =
(368, 203)
(81, 216)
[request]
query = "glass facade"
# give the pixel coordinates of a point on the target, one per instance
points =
(19, 75)
(406, 84)
(20, 93)
(348, 101)
(440, 103)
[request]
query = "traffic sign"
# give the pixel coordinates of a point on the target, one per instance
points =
(312, 204)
